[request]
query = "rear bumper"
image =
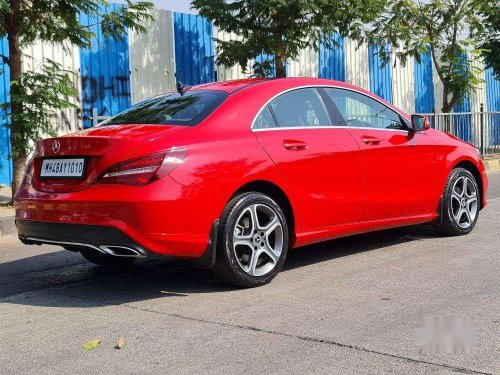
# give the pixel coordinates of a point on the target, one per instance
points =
(164, 217)
(105, 240)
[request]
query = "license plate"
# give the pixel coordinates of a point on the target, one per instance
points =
(63, 168)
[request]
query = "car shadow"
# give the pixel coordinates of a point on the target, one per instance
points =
(76, 283)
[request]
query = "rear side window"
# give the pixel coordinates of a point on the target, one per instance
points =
(188, 109)
(300, 108)
(264, 120)
(362, 111)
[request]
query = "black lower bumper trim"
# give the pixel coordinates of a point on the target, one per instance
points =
(74, 236)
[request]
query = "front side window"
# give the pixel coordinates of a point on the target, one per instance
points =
(188, 109)
(300, 108)
(359, 110)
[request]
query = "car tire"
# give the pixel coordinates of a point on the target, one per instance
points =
(460, 204)
(104, 260)
(252, 241)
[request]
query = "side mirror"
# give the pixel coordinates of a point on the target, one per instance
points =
(420, 122)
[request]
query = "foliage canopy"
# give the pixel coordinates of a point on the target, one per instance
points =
(279, 29)
(451, 30)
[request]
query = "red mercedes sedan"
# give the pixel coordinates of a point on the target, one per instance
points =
(233, 174)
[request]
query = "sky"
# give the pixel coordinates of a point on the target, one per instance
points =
(182, 6)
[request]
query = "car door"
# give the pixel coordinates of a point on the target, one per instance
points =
(399, 166)
(319, 161)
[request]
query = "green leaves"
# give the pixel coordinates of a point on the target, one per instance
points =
(279, 29)
(448, 29)
(41, 94)
(58, 20)
(487, 30)
(4, 16)
(92, 344)
(115, 23)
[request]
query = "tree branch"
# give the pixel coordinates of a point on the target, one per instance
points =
(453, 101)
(435, 62)
(4, 23)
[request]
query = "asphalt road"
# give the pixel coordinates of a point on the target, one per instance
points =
(348, 306)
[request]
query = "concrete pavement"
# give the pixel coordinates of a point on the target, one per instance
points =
(347, 306)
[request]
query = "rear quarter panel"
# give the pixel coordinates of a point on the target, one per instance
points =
(222, 155)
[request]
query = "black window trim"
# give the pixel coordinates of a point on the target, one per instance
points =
(333, 111)
(275, 118)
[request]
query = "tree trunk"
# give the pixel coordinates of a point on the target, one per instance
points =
(280, 65)
(447, 103)
(446, 108)
(19, 155)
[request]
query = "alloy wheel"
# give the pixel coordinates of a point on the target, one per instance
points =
(258, 239)
(464, 202)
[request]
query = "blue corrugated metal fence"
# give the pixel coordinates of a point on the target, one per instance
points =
(463, 123)
(263, 57)
(194, 49)
(493, 105)
(380, 74)
(332, 60)
(105, 72)
(5, 161)
(423, 85)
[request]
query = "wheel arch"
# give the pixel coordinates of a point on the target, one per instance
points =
(276, 193)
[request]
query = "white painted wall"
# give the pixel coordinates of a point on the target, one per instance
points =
(357, 64)
(234, 72)
(403, 92)
(305, 65)
(34, 56)
(477, 98)
(152, 58)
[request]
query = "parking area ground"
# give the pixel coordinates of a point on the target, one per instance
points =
(348, 306)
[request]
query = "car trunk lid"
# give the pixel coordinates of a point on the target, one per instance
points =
(100, 148)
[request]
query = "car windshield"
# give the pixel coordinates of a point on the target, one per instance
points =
(188, 109)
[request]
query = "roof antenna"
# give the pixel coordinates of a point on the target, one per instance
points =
(181, 88)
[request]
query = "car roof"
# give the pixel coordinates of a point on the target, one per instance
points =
(238, 84)
(229, 86)
(287, 83)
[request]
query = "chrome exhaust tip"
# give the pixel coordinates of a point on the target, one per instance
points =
(121, 251)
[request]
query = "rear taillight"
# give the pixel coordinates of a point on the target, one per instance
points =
(143, 170)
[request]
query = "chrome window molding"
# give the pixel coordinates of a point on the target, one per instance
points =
(329, 128)
(325, 126)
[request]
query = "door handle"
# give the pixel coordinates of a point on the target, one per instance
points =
(370, 140)
(294, 145)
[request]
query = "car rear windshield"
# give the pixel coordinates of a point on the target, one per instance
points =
(188, 109)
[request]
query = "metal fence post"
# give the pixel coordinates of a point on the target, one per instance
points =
(95, 121)
(481, 124)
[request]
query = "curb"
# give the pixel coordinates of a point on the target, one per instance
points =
(7, 226)
(492, 164)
